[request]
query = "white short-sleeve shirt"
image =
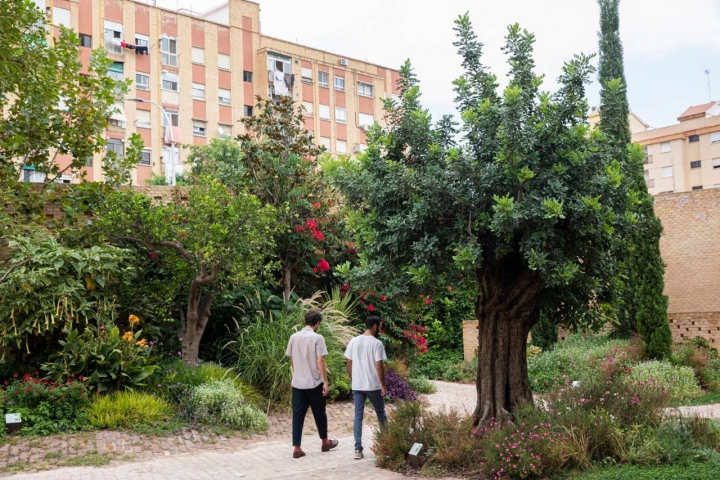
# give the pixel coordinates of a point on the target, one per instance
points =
(305, 347)
(365, 351)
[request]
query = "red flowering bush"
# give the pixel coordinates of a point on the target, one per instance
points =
(47, 407)
(416, 335)
(323, 265)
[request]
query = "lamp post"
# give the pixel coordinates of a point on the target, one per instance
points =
(172, 135)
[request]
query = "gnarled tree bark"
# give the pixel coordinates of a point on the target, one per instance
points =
(198, 313)
(506, 311)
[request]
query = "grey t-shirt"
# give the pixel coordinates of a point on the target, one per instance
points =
(305, 347)
(364, 351)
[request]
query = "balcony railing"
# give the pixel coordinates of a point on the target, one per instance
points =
(647, 159)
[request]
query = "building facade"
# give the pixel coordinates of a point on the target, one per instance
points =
(205, 70)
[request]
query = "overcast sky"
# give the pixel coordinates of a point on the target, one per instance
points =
(668, 43)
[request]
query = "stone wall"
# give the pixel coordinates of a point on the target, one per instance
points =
(690, 247)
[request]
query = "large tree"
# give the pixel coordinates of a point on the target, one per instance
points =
(528, 205)
(644, 306)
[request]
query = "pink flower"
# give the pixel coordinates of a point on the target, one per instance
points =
(428, 301)
(383, 298)
(311, 224)
(318, 235)
(315, 205)
(634, 401)
(323, 265)
(371, 308)
(299, 228)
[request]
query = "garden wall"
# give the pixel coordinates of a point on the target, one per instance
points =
(690, 247)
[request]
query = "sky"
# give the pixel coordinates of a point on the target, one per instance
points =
(668, 44)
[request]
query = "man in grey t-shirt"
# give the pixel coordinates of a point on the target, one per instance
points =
(307, 352)
(365, 356)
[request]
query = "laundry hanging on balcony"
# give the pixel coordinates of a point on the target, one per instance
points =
(279, 84)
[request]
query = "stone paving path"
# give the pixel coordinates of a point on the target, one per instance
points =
(266, 456)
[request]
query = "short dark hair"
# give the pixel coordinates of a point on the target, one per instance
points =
(312, 317)
(371, 321)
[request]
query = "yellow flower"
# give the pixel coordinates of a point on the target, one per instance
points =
(141, 343)
(133, 320)
(128, 336)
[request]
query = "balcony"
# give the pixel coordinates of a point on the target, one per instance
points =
(650, 183)
(280, 84)
(647, 159)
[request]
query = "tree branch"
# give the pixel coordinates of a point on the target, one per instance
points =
(17, 265)
(179, 248)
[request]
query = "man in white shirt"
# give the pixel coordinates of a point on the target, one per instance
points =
(365, 356)
(307, 352)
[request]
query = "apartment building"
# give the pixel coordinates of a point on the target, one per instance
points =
(205, 69)
(685, 156)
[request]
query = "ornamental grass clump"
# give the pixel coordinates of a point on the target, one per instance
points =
(128, 409)
(680, 381)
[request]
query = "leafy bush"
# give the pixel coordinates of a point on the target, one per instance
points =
(464, 372)
(421, 385)
(105, 359)
(435, 363)
(258, 353)
(127, 409)
(176, 379)
(221, 402)
(704, 361)
(680, 381)
(47, 407)
(397, 387)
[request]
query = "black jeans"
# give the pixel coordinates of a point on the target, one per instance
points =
(301, 400)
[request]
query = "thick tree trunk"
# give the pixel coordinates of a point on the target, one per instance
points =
(197, 317)
(506, 312)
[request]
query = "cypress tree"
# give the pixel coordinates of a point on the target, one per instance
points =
(644, 306)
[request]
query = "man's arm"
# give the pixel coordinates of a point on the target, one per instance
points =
(322, 366)
(349, 368)
(381, 375)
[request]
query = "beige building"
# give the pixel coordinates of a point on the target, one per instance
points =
(205, 70)
(685, 156)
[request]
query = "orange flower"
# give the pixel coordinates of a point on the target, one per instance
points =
(133, 320)
(128, 336)
(141, 343)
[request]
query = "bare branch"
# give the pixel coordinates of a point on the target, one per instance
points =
(17, 265)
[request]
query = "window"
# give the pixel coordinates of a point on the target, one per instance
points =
(716, 162)
(174, 118)
(324, 112)
(89, 162)
(224, 131)
(323, 79)
(224, 96)
(168, 51)
(247, 76)
(340, 115)
(325, 142)
(113, 35)
(698, 187)
(696, 164)
(248, 110)
(142, 40)
(365, 120)
(665, 147)
(223, 61)
(146, 157)
(170, 81)
(142, 118)
(117, 71)
(647, 175)
(199, 128)
(340, 84)
(117, 117)
(30, 175)
(198, 55)
(61, 16)
(667, 172)
(365, 89)
(279, 63)
(142, 81)
(715, 137)
(115, 145)
(63, 179)
(341, 146)
(198, 91)
(85, 41)
(307, 74)
(694, 138)
(308, 107)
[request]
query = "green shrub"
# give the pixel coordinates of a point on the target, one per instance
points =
(699, 471)
(680, 381)
(221, 402)
(435, 363)
(465, 372)
(107, 360)
(128, 409)
(702, 359)
(421, 385)
(47, 407)
(175, 379)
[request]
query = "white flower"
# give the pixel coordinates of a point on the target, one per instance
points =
(576, 383)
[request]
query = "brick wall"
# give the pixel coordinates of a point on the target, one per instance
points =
(690, 248)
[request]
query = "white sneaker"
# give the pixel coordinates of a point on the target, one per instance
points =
(359, 455)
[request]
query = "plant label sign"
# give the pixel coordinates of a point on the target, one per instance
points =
(13, 422)
(413, 459)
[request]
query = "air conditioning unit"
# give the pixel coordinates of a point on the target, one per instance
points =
(343, 61)
(358, 149)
